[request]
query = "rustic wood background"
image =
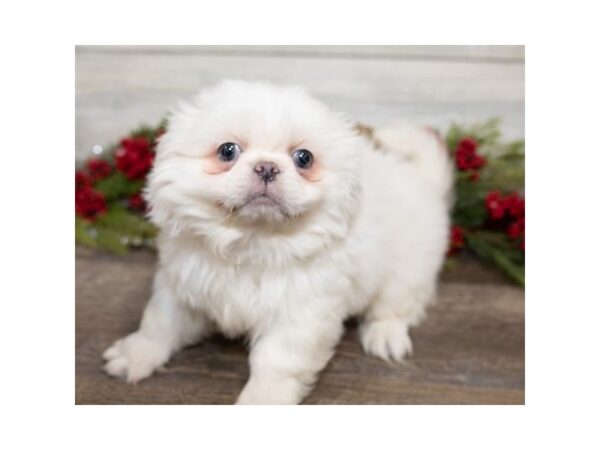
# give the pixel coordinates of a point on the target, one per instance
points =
(469, 350)
(119, 87)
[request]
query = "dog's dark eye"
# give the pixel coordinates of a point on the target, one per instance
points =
(302, 158)
(228, 151)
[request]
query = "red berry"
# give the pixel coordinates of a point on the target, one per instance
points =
(134, 158)
(495, 205)
(514, 230)
(136, 201)
(466, 157)
(89, 203)
(82, 180)
(515, 205)
(98, 169)
(457, 240)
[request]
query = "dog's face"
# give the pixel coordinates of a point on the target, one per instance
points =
(253, 155)
(258, 170)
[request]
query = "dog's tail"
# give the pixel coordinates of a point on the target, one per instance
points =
(423, 147)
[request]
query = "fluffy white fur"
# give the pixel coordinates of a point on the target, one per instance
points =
(364, 235)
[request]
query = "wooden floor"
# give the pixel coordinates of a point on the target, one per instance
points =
(469, 350)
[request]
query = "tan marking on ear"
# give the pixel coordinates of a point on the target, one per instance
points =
(437, 135)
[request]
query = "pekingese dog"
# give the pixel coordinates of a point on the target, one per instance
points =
(279, 221)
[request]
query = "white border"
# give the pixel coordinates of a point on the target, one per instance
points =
(37, 226)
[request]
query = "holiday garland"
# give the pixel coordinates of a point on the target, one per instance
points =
(110, 210)
(488, 216)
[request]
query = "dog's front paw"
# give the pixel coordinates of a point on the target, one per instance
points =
(276, 391)
(135, 357)
(386, 338)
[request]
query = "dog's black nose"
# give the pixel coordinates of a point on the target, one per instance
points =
(266, 171)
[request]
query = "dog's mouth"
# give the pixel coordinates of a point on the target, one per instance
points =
(263, 199)
(262, 205)
(257, 206)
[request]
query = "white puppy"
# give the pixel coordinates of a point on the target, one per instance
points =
(278, 222)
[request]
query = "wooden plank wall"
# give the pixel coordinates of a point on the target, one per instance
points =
(119, 87)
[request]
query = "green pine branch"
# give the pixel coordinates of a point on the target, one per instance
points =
(116, 230)
(506, 260)
(117, 185)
